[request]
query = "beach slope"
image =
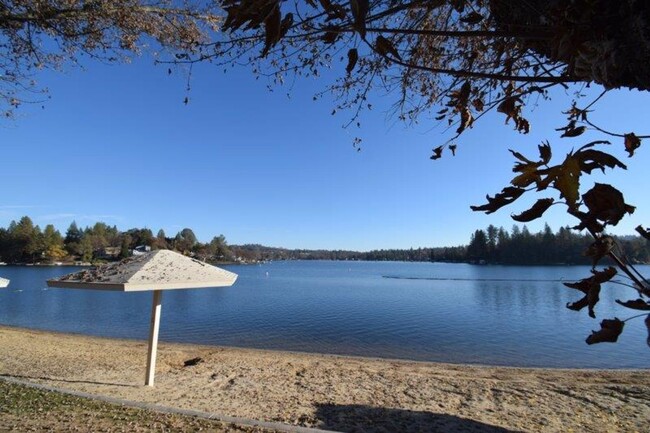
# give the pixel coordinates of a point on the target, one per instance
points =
(333, 392)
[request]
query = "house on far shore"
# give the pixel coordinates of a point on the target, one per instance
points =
(140, 250)
(108, 253)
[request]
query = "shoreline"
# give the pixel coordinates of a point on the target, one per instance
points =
(332, 391)
(334, 356)
(513, 265)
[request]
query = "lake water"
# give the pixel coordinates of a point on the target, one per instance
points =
(429, 311)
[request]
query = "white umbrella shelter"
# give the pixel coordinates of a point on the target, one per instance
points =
(3, 282)
(154, 271)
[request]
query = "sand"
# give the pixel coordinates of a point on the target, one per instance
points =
(334, 392)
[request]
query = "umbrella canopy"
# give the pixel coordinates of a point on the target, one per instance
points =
(4, 282)
(156, 270)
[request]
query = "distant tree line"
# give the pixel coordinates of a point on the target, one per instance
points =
(566, 246)
(256, 252)
(24, 242)
(490, 246)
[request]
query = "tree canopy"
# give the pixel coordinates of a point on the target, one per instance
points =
(453, 60)
(47, 34)
(24, 242)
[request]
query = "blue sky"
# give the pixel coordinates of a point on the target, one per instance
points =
(117, 144)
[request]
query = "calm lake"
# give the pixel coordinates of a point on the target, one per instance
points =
(455, 313)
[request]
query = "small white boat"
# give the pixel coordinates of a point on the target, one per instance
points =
(4, 282)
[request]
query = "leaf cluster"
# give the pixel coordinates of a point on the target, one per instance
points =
(599, 207)
(426, 53)
(47, 34)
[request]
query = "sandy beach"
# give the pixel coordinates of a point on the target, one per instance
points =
(334, 392)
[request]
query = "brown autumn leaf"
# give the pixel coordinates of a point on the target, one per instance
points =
(523, 125)
(605, 275)
(272, 27)
(249, 14)
(529, 172)
(437, 153)
(590, 299)
(331, 34)
(567, 180)
(584, 301)
(508, 195)
(466, 120)
(353, 56)
(637, 304)
(360, 9)
(632, 142)
(573, 132)
(591, 288)
(570, 125)
(545, 152)
(520, 157)
(285, 25)
(590, 159)
(606, 203)
(608, 333)
(536, 211)
(526, 178)
(460, 96)
(385, 47)
(594, 143)
(452, 147)
(508, 107)
(511, 107)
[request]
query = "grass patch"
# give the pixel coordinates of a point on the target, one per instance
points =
(23, 408)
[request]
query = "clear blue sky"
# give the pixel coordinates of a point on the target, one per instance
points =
(117, 144)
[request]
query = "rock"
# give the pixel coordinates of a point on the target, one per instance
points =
(192, 362)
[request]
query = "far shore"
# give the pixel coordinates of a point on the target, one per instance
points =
(231, 263)
(334, 392)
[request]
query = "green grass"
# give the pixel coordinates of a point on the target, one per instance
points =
(23, 409)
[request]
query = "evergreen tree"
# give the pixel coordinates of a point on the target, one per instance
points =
(53, 248)
(161, 240)
(477, 249)
(125, 247)
(72, 241)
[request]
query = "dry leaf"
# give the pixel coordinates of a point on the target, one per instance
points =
(353, 56)
(632, 142)
(536, 211)
(608, 333)
(637, 304)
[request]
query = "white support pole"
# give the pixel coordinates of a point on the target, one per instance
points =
(156, 308)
